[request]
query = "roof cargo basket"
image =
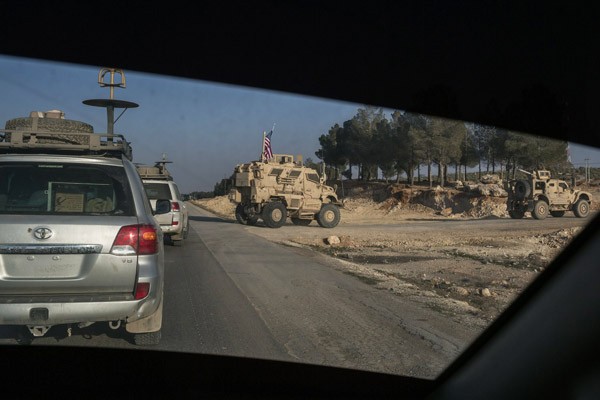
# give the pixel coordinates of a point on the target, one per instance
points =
(50, 132)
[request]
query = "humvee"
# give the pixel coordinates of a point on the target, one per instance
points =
(542, 195)
(280, 187)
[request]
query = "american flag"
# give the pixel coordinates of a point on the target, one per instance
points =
(267, 152)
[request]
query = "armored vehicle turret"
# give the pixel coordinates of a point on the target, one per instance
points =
(280, 187)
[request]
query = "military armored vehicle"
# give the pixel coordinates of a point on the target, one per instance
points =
(278, 188)
(542, 195)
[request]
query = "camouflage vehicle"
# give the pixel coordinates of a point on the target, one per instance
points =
(279, 188)
(542, 195)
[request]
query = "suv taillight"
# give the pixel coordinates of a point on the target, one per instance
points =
(135, 240)
(175, 206)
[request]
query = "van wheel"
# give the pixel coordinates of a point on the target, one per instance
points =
(540, 210)
(329, 216)
(147, 339)
(581, 208)
(557, 214)
(274, 214)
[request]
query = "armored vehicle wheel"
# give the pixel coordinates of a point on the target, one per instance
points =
(301, 222)
(522, 189)
(557, 214)
(274, 214)
(581, 208)
(516, 214)
(243, 218)
(329, 216)
(540, 210)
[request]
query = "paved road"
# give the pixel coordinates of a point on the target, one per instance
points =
(234, 293)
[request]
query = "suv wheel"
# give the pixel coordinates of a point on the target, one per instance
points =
(540, 210)
(274, 214)
(329, 216)
(147, 339)
(581, 208)
(557, 214)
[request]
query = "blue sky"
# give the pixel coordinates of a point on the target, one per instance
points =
(204, 128)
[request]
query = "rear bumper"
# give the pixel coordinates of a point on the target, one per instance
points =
(67, 313)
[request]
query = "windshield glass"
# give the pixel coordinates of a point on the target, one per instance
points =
(384, 240)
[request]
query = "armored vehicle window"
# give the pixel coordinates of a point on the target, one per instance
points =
(294, 174)
(276, 171)
(63, 189)
(563, 185)
(540, 185)
(156, 191)
(313, 177)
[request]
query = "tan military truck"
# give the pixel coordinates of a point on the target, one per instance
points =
(279, 188)
(542, 195)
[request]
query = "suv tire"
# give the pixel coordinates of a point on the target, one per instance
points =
(329, 216)
(581, 208)
(274, 214)
(540, 210)
(53, 125)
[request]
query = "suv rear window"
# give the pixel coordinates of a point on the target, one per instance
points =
(156, 191)
(56, 188)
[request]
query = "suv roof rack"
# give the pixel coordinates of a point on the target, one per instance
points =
(77, 143)
(45, 131)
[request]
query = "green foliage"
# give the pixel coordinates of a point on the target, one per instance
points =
(404, 143)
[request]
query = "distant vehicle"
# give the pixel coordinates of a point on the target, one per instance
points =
(542, 195)
(159, 184)
(275, 189)
(79, 243)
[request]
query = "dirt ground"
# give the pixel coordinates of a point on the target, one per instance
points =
(471, 272)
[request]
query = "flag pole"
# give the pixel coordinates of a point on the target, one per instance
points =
(262, 150)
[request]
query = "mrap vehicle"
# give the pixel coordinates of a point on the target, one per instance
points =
(278, 188)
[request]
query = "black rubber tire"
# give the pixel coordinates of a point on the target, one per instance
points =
(242, 217)
(274, 214)
(329, 216)
(557, 214)
(540, 210)
(147, 339)
(522, 189)
(516, 214)
(53, 125)
(301, 222)
(581, 208)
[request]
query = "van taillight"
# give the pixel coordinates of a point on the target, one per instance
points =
(175, 206)
(135, 240)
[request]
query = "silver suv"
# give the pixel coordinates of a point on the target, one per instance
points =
(159, 184)
(79, 243)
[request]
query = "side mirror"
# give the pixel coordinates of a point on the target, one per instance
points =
(163, 206)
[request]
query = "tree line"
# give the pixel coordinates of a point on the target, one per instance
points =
(405, 143)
